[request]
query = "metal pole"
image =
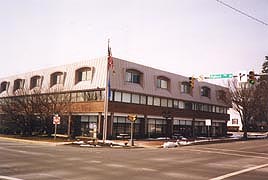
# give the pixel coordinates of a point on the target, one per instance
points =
(55, 131)
(131, 135)
(106, 102)
(69, 126)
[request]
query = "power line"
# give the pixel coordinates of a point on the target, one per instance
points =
(241, 12)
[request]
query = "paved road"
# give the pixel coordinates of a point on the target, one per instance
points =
(232, 161)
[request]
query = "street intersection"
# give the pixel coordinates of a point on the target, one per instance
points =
(245, 160)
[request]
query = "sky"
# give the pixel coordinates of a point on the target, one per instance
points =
(187, 37)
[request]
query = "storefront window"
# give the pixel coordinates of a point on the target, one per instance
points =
(122, 125)
(182, 128)
(88, 123)
(157, 127)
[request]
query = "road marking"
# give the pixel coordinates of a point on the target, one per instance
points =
(239, 172)
(239, 151)
(227, 153)
(9, 178)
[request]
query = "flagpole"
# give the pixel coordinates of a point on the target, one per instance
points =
(106, 100)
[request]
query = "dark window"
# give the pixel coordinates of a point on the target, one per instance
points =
(157, 127)
(3, 86)
(205, 91)
(35, 82)
(121, 125)
(56, 78)
(188, 105)
(18, 84)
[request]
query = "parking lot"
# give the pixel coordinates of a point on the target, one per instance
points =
(245, 160)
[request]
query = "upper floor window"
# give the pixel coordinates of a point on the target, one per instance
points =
(162, 82)
(18, 84)
(56, 78)
(83, 74)
(4, 86)
(185, 87)
(36, 81)
(221, 95)
(205, 91)
(133, 76)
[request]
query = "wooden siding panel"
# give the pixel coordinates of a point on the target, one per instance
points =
(85, 107)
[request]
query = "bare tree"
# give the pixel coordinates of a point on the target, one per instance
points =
(242, 97)
(31, 108)
(21, 109)
(51, 103)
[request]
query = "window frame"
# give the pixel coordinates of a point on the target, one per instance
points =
(205, 91)
(83, 74)
(133, 76)
(185, 88)
(163, 82)
(35, 81)
(18, 84)
(59, 78)
(4, 86)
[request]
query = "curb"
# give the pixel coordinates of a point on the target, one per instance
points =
(33, 141)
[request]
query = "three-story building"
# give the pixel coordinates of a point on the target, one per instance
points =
(165, 103)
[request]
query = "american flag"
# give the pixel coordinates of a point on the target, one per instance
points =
(110, 58)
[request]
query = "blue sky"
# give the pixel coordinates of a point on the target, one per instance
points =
(188, 37)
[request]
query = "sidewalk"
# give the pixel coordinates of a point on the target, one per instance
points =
(32, 140)
(146, 143)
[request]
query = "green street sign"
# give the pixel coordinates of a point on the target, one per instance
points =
(220, 76)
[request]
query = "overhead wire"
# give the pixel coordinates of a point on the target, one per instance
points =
(243, 13)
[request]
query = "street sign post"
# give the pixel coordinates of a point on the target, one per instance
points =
(208, 124)
(56, 121)
(220, 76)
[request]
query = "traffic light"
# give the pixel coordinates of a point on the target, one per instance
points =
(132, 117)
(191, 81)
(251, 77)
